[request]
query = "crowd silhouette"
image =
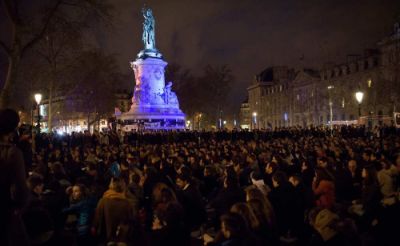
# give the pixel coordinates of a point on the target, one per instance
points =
(287, 186)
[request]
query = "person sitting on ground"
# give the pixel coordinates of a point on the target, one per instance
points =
(82, 205)
(113, 209)
(324, 188)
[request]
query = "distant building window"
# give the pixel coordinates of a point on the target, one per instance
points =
(343, 117)
(298, 97)
(280, 88)
(369, 83)
(375, 62)
(321, 119)
(351, 117)
(343, 102)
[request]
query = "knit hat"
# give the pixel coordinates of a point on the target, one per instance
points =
(9, 120)
(323, 223)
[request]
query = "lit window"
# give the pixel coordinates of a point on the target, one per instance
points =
(343, 102)
(298, 97)
(369, 83)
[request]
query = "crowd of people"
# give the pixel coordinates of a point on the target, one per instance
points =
(288, 186)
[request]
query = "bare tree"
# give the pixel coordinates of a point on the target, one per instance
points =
(30, 25)
(96, 75)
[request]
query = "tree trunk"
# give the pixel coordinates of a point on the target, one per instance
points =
(50, 110)
(12, 73)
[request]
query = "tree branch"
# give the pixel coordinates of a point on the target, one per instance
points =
(9, 12)
(4, 46)
(43, 31)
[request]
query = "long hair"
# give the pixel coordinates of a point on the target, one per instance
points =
(247, 213)
(252, 192)
(371, 176)
(157, 192)
(323, 174)
(263, 214)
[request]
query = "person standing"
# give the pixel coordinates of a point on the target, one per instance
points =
(13, 189)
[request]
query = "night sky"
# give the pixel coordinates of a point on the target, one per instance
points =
(253, 34)
(250, 35)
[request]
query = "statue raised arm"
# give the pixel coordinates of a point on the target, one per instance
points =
(148, 36)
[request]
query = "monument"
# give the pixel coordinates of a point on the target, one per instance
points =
(154, 104)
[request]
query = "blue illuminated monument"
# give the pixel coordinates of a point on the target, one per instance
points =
(154, 104)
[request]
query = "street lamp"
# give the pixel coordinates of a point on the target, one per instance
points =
(359, 98)
(38, 99)
(199, 120)
(330, 87)
(255, 119)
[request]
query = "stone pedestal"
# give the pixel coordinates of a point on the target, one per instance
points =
(154, 105)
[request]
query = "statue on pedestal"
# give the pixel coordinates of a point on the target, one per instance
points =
(148, 36)
(170, 96)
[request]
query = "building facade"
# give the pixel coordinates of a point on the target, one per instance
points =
(67, 116)
(244, 115)
(281, 96)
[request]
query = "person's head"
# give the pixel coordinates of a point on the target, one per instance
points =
(209, 171)
(304, 165)
(271, 167)
(232, 225)
(352, 165)
(183, 180)
(369, 175)
(35, 184)
(323, 162)
(157, 190)
(231, 181)
(295, 180)
(117, 185)
(385, 164)
(134, 178)
(262, 210)
(247, 214)
(168, 195)
(79, 192)
(324, 221)
(255, 176)
(278, 179)
(366, 155)
(8, 123)
(252, 192)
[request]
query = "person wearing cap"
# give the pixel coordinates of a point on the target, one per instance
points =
(14, 192)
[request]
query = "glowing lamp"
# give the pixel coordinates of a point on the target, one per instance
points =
(359, 96)
(38, 98)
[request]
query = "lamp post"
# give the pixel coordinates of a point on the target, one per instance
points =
(359, 98)
(255, 120)
(330, 87)
(38, 99)
(188, 124)
(199, 120)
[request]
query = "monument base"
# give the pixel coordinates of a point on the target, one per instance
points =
(146, 120)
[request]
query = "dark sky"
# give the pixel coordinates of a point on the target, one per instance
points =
(249, 35)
